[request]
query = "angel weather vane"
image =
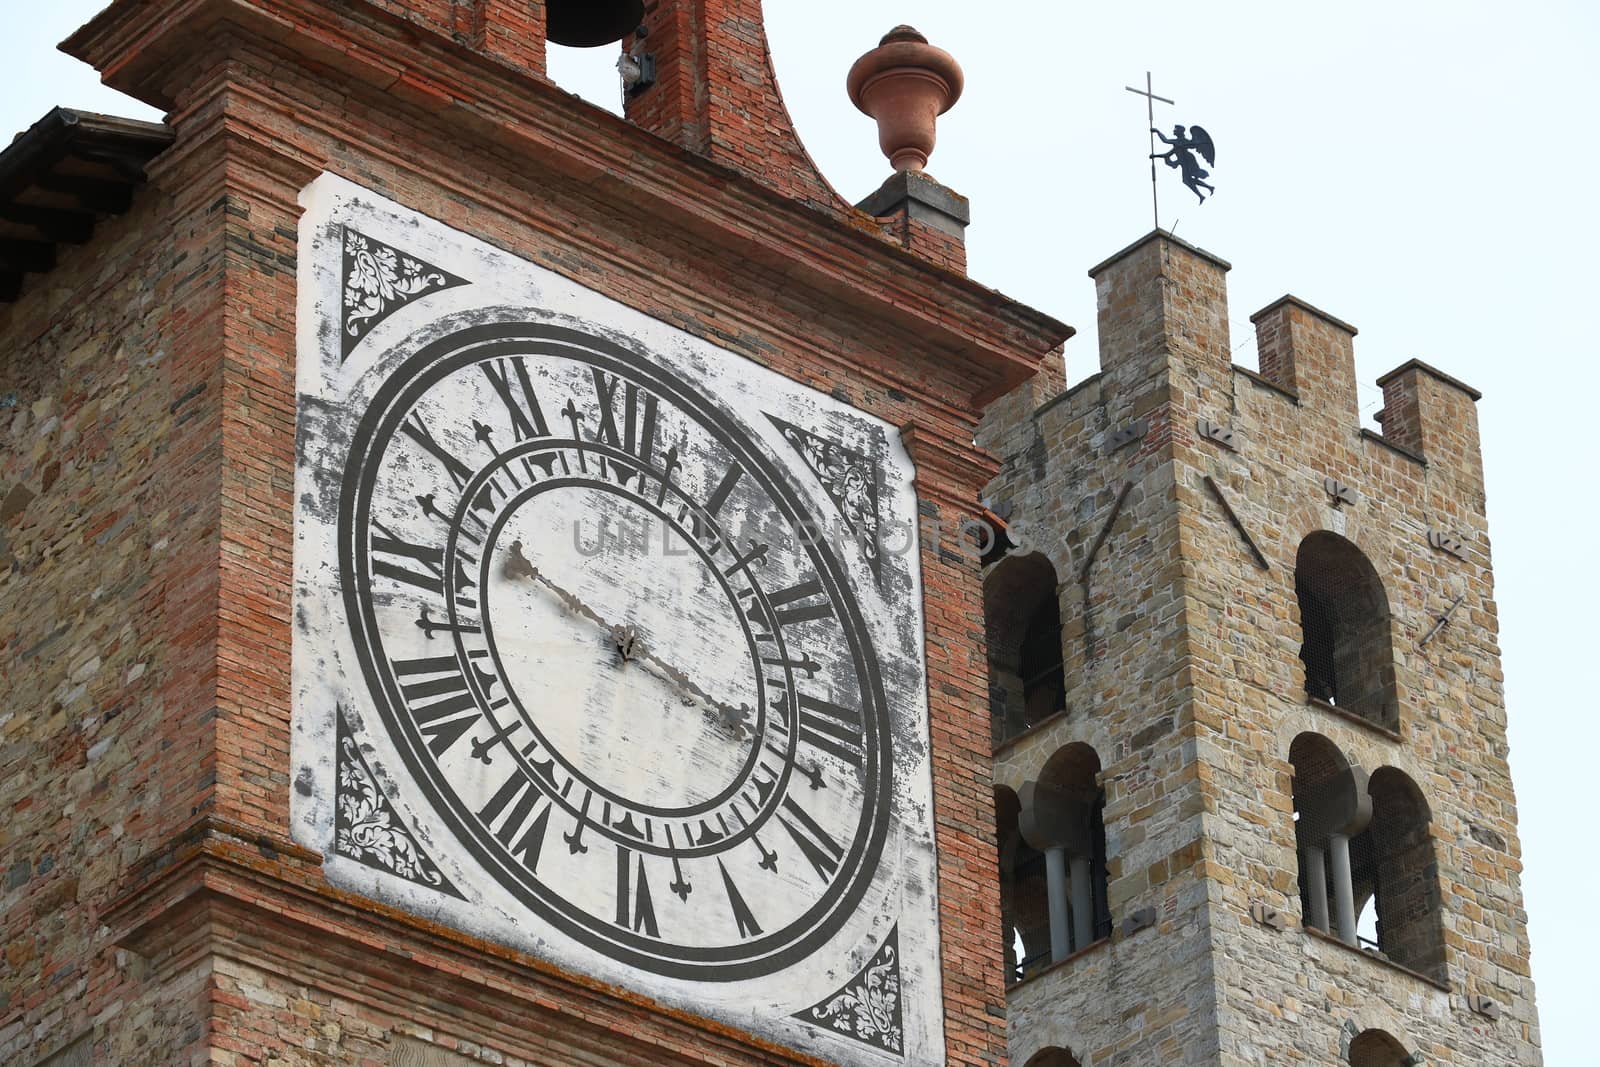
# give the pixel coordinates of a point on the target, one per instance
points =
(1182, 148)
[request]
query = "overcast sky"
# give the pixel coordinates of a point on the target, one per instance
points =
(1418, 169)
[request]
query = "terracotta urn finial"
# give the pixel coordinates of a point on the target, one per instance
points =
(906, 84)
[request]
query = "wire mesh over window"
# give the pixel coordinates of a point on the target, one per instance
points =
(1396, 879)
(1022, 617)
(1044, 684)
(1029, 932)
(1344, 619)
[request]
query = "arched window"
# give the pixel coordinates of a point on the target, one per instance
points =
(1396, 880)
(1022, 614)
(1344, 617)
(1024, 907)
(1053, 1057)
(1062, 816)
(1374, 1048)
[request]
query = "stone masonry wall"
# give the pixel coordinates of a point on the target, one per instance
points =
(1232, 623)
(108, 590)
(1147, 997)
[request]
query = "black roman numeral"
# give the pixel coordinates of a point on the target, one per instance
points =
(439, 699)
(637, 435)
(742, 915)
(832, 728)
(790, 605)
(640, 914)
(524, 800)
(719, 496)
(822, 851)
(415, 565)
(527, 420)
(417, 430)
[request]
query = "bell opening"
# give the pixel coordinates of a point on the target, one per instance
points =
(591, 23)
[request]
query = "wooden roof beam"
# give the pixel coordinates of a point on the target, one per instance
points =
(55, 224)
(34, 257)
(101, 196)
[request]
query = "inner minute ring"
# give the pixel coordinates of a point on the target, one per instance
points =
(470, 493)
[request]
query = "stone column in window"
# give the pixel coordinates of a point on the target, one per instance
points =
(1082, 902)
(1055, 872)
(1316, 887)
(1332, 808)
(1344, 897)
(1054, 821)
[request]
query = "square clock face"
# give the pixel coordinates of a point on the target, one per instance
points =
(607, 641)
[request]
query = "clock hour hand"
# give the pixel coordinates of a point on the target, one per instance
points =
(630, 645)
(518, 565)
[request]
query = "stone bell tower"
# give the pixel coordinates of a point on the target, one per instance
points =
(1250, 766)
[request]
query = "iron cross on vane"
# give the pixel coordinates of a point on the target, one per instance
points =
(1150, 98)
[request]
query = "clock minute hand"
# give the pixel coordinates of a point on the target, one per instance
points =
(735, 719)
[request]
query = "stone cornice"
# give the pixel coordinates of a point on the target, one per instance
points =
(948, 472)
(993, 341)
(221, 890)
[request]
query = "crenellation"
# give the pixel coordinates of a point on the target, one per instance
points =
(1310, 353)
(1163, 324)
(1436, 416)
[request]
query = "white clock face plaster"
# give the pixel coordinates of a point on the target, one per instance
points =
(608, 642)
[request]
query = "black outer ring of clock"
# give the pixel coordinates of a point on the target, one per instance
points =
(399, 393)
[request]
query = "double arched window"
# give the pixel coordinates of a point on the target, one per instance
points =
(1367, 869)
(1052, 839)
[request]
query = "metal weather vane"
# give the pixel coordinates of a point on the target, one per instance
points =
(1180, 153)
(1182, 148)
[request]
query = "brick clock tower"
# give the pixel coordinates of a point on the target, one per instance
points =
(487, 581)
(490, 581)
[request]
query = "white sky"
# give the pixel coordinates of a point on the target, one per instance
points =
(1415, 168)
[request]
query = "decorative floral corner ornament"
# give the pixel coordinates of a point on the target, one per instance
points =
(868, 1007)
(378, 281)
(367, 829)
(849, 478)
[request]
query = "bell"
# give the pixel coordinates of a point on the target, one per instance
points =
(588, 23)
